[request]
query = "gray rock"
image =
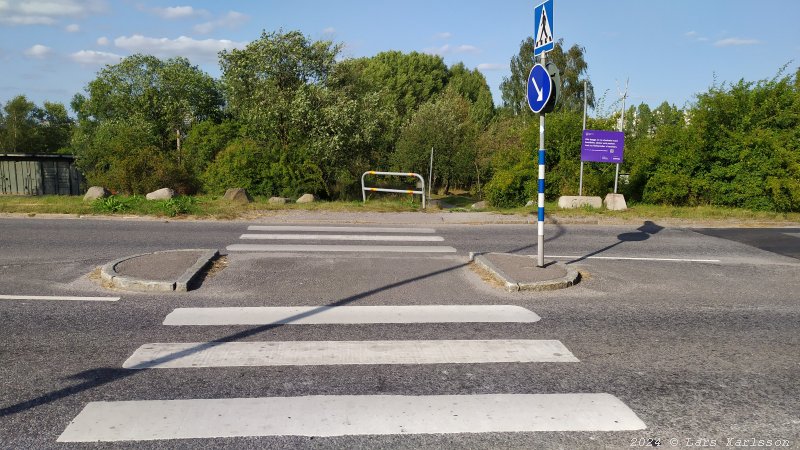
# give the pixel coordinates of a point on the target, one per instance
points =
(306, 198)
(479, 205)
(237, 195)
(530, 203)
(615, 202)
(277, 200)
(161, 194)
(574, 201)
(96, 192)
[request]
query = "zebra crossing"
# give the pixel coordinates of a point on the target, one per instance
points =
(340, 415)
(300, 236)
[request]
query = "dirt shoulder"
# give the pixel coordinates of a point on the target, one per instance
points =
(433, 218)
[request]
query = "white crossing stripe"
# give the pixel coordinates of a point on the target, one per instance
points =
(797, 235)
(305, 353)
(340, 248)
(339, 229)
(343, 237)
(56, 297)
(630, 258)
(348, 415)
(306, 315)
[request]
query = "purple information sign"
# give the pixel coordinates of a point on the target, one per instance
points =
(602, 146)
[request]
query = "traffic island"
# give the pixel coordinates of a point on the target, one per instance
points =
(520, 273)
(166, 271)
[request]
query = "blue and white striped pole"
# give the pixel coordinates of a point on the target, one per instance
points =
(540, 242)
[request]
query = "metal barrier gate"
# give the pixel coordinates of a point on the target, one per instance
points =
(364, 189)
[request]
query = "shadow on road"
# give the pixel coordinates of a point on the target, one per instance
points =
(105, 375)
(644, 232)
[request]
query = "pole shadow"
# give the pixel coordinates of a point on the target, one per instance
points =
(104, 375)
(644, 232)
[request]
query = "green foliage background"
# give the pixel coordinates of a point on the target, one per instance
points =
(289, 115)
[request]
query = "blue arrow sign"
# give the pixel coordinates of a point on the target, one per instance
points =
(543, 37)
(540, 87)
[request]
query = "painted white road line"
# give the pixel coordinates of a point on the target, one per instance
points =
(307, 315)
(797, 235)
(340, 248)
(339, 229)
(348, 415)
(626, 258)
(56, 297)
(343, 237)
(314, 353)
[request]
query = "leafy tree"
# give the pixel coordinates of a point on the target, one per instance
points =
(149, 104)
(55, 127)
(170, 95)
(446, 125)
(574, 71)
(471, 84)
(205, 141)
(406, 79)
(285, 88)
(123, 155)
(263, 81)
(18, 133)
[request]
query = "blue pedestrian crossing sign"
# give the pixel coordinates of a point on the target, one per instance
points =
(540, 88)
(543, 39)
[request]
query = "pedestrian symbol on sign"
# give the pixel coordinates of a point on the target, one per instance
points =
(544, 35)
(544, 40)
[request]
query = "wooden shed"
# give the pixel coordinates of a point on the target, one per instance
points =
(33, 174)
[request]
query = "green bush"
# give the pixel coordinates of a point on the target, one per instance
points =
(511, 188)
(112, 204)
(263, 169)
(179, 205)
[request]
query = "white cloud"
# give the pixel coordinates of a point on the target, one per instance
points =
(329, 30)
(443, 35)
(466, 49)
(728, 42)
(438, 50)
(103, 41)
(232, 19)
(46, 12)
(38, 51)
(73, 28)
(447, 48)
(206, 49)
(179, 12)
(690, 34)
(490, 66)
(91, 57)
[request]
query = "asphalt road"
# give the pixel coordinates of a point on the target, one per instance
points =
(698, 335)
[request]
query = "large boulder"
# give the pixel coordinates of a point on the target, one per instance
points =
(306, 198)
(161, 194)
(96, 192)
(237, 195)
(277, 200)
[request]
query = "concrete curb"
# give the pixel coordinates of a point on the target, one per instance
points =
(511, 285)
(109, 274)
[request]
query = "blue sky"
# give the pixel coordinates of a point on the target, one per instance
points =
(670, 50)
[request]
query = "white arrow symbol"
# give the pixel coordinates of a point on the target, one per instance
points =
(538, 90)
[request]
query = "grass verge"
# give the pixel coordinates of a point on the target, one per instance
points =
(216, 207)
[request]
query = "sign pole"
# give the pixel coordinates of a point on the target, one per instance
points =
(430, 176)
(621, 128)
(580, 183)
(540, 234)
